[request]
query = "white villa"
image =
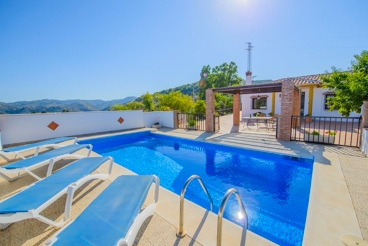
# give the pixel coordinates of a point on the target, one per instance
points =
(313, 98)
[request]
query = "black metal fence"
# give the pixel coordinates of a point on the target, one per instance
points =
(192, 121)
(327, 130)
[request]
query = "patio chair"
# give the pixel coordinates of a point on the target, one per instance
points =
(30, 202)
(114, 217)
(50, 143)
(36, 161)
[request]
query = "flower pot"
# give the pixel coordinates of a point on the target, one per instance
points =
(308, 119)
(156, 126)
(319, 138)
(192, 127)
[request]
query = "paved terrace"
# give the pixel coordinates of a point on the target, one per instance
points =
(339, 194)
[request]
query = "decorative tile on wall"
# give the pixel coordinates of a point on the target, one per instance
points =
(53, 126)
(121, 120)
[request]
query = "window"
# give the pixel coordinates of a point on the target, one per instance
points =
(260, 103)
(326, 100)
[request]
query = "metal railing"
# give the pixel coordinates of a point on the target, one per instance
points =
(181, 233)
(192, 121)
(216, 123)
(221, 213)
(328, 130)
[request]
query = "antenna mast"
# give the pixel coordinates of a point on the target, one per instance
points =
(249, 49)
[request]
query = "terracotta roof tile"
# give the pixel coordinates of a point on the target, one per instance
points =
(302, 80)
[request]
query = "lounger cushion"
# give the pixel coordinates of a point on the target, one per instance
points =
(35, 145)
(46, 156)
(109, 217)
(45, 189)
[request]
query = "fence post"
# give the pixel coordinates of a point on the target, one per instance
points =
(175, 115)
(365, 115)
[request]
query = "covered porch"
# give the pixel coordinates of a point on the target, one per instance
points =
(290, 104)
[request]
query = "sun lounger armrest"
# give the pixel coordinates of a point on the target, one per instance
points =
(157, 187)
(73, 187)
(48, 146)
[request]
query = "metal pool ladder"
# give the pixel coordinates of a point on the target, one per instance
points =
(221, 213)
(181, 233)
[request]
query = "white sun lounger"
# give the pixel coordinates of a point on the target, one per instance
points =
(114, 217)
(30, 202)
(50, 143)
(36, 161)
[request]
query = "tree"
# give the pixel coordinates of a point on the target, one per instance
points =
(175, 101)
(221, 76)
(203, 85)
(350, 87)
(225, 75)
(223, 101)
(129, 106)
(200, 107)
(148, 101)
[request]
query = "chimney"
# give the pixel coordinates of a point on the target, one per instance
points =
(248, 78)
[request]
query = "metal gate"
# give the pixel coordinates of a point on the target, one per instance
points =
(216, 123)
(192, 121)
(327, 130)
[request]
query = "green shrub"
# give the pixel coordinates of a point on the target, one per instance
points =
(192, 123)
(314, 133)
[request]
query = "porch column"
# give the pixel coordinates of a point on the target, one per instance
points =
(236, 109)
(210, 110)
(287, 107)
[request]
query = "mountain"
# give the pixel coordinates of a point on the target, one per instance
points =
(51, 105)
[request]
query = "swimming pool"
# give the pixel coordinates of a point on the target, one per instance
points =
(274, 188)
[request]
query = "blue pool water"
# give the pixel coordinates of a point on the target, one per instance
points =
(274, 188)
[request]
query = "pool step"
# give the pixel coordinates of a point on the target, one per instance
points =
(260, 142)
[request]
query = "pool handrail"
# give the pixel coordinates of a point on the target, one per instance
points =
(181, 233)
(221, 213)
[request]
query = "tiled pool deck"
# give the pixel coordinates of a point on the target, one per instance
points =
(331, 211)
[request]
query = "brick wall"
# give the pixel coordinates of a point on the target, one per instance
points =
(287, 108)
(236, 109)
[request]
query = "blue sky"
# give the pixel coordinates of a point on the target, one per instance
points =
(113, 49)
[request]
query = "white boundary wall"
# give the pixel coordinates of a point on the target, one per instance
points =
(20, 128)
(166, 118)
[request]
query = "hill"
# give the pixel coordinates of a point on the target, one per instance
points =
(193, 88)
(51, 105)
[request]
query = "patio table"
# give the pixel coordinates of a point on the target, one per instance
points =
(247, 120)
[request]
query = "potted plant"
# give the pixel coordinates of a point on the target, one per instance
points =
(271, 114)
(330, 136)
(192, 125)
(157, 123)
(312, 136)
(308, 118)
